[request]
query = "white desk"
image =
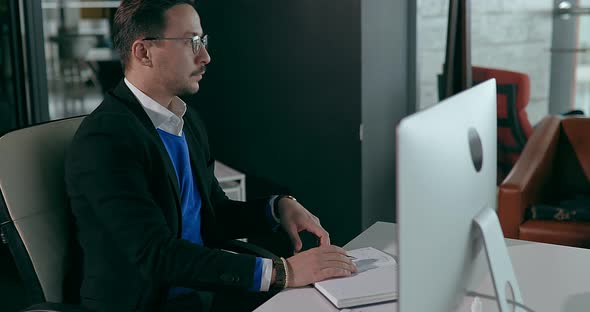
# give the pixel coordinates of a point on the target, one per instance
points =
(551, 278)
(231, 181)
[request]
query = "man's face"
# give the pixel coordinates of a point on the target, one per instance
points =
(176, 67)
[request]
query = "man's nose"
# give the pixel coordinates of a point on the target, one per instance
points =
(203, 57)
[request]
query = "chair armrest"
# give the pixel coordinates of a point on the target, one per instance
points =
(529, 177)
(231, 245)
(55, 307)
(247, 248)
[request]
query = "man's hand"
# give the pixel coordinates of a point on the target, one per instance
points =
(294, 219)
(318, 264)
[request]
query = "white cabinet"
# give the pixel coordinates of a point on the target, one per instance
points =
(231, 181)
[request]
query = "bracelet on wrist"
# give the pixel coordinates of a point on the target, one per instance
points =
(286, 265)
(280, 266)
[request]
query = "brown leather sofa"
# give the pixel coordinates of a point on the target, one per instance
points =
(554, 165)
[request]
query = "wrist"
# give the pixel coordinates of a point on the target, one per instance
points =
(276, 205)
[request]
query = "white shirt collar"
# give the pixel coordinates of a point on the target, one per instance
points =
(169, 120)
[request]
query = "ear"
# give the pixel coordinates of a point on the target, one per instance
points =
(141, 53)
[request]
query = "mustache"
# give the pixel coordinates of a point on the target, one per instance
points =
(201, 71)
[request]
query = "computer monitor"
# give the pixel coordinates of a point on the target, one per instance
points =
(446, 200)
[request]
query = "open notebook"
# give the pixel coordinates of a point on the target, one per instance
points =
(375, 280)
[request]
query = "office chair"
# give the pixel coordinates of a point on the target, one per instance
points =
(554, 167)
(35, 221)
(514, 128)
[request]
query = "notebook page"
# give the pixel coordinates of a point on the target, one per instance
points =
(375, 281)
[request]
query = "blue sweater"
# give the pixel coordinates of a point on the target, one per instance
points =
(190, 201)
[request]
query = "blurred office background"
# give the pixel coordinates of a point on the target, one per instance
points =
(78, 53)
(527, 36)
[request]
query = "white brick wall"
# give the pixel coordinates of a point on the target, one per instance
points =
(508, 34)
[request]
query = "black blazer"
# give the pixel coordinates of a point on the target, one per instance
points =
(124, 196)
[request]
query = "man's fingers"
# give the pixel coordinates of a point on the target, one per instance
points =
(336, 260)
(332, 249)
(338, 264)
(325, 239)
(320, 233)
(332, 256)
(334, 272)
(295, 239)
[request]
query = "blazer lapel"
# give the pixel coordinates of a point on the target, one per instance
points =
(197, 161)
(125, 95)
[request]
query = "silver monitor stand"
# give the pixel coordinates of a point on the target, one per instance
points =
(499, 262)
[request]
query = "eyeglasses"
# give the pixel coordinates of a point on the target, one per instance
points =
(197, 42)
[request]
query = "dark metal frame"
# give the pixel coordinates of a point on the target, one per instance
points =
(17, 67)
(457, 67)
(34, 52)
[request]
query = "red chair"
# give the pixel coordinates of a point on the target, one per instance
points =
(514, 128)
(554, 167)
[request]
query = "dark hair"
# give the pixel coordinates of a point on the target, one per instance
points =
(140, 18)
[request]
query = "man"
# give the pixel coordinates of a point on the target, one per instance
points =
(148, 209)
